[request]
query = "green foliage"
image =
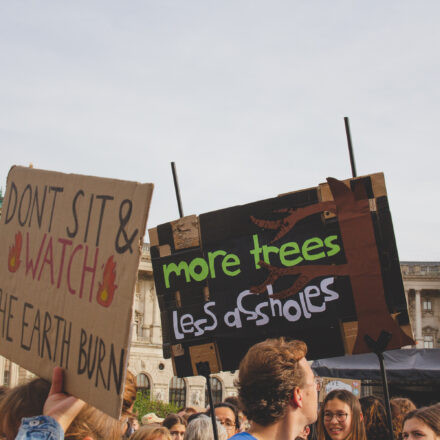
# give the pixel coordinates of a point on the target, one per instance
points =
(143, 405)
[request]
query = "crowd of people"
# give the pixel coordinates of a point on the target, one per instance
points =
(277, 399)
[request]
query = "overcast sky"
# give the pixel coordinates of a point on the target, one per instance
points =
(247, 97)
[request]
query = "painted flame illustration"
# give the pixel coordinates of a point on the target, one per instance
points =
(14, 254)
(106, 289)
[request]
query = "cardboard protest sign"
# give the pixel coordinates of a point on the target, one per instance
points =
(70, 254)
(333, 383)
(319, 265)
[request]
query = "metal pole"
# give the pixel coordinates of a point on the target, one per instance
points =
(204, 370)
(350, 146)
(176, 187)
(386, 394)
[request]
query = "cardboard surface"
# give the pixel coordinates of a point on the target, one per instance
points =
(70, 253)
(320, 265)
(333, 383)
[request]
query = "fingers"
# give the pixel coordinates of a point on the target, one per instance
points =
(57, 381)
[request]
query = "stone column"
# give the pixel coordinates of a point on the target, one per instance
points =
(146, 323)
(14, 374)
(156, 336)
(2, 369)
(418, 320)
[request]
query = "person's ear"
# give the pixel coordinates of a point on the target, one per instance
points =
(296, 399)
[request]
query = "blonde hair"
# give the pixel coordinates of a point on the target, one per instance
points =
(149, 432)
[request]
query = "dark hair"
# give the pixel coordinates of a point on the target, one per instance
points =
(357, 426)
(25, 400)
(173, 419)
(430, 415)
(233, 408)
(268, 374)
(375, 418)
(400, 407)
(233, 400)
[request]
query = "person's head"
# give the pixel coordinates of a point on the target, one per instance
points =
(340, 417)
(151, 432)
(200, 428)
(187, 412)
(176, 425)
(400, 407)
(227, 415)
(25, 400)
(129, 395)
(422, 423)
(375, 418)
(93, 424)
(274, 377)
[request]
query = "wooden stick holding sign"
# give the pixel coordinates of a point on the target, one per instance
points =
(71, 246)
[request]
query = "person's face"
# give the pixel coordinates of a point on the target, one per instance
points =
(135, 424)
(309, 394)
(227, 418)
(177, 431)
(337, 419)
(416, 429)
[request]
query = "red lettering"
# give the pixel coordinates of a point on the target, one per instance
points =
(92, 270)
(49, 250)
(64, 242)
(29, 262)
(69, 267)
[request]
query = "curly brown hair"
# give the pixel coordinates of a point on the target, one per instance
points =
(268, 374)
(400, 407)
(375, 418)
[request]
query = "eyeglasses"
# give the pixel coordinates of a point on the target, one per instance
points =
(228, 424)
(340, 417)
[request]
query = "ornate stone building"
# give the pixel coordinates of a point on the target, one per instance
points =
(155, 374)
(422, 288)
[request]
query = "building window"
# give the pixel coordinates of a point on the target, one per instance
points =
(427, 305)
(428, 341)
(143, 385)
(216, 388)
(177, 391)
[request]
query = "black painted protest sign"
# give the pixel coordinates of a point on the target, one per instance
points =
(319, 265)
(70, 253)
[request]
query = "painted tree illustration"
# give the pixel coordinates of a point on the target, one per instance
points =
(362, 266)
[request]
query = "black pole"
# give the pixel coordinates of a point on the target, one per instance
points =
(176, 187)
(350, 146)
(379, 347)
(204, 370)
(386, 393)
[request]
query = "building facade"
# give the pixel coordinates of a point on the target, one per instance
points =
(155, 374)
(422, 289)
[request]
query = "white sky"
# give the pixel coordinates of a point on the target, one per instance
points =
(247, 97)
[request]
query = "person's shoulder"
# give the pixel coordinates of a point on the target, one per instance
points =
(243, 435)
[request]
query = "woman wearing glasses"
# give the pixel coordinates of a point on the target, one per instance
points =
(340, 417)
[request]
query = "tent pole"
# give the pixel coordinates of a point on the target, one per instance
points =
(378, 347)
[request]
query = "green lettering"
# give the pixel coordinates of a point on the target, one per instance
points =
(172, 267)
(334, 247)
(204, 269)
(269, 250)
(310, 245)
(256, 251)
(211, 258)
(287, 249)
(228, 261)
